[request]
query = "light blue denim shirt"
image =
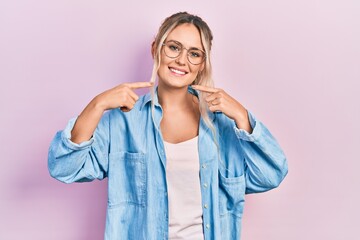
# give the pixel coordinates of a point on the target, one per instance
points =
(128, 149)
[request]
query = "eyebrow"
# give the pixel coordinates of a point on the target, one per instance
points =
(183, 45)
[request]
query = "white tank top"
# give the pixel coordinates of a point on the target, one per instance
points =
(184, 193)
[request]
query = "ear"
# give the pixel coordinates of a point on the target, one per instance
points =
(153, 49)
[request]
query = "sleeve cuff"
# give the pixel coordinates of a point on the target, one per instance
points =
(66, 136)
(244, 135)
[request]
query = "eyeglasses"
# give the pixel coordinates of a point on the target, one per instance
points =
(173, 49)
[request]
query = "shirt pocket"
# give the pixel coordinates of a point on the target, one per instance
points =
(127, 179)
(231, 195)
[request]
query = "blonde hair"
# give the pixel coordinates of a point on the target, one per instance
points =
(205, 76)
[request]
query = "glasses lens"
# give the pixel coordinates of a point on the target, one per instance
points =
(173, 49)
(195, 56)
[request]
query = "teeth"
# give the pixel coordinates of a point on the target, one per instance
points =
(177, 71)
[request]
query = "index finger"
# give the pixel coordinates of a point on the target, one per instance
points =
(205, 89)
(135, 85)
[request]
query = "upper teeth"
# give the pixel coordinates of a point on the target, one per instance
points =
(177, 71)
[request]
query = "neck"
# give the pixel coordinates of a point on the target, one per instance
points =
(174, 98)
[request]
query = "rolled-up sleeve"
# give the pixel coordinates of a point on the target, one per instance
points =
(71, 162)
(265, 162)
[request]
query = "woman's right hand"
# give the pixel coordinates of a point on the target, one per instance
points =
(121, 96)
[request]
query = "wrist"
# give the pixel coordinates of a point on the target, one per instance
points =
(98, 105)
(242, 121)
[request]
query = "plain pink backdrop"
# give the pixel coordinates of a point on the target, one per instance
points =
(294, 64)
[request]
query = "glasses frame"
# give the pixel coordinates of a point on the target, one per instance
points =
(187, 55)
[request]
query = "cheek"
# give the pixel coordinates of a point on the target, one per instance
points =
(195, 69)
(164, 62)
(163, 67)
(164, 59)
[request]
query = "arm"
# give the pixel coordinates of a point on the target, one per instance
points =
(264, 163)
(219, 101)
(80, 152)
(121, 96)
(78, 162)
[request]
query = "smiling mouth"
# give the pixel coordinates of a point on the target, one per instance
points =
(177, 71)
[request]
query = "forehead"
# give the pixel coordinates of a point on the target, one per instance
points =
(187, 34)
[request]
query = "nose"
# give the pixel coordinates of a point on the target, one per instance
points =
(181, 59)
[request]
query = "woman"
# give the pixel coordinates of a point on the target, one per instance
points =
(180, 160)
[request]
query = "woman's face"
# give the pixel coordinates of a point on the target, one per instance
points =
(179, 72)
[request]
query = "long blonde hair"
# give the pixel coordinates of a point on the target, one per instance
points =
(204, 77)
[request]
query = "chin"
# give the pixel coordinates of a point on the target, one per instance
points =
(175, 82)
(178, 83)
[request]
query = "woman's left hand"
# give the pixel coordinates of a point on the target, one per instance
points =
(219, 101)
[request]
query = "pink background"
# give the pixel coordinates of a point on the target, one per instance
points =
(294, 64)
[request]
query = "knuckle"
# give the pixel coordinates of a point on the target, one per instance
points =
(123, 98)
(120, 89)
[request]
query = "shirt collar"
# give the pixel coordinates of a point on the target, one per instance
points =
(147, 97)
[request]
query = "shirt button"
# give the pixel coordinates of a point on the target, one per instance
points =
(205, 185)
(205, 206)
(207, 226)
(203, 166)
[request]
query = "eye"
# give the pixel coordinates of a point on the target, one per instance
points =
(173, 47)
(195, 54)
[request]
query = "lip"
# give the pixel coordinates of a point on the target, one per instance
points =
(178, 69)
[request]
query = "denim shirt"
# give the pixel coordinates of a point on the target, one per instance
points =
(128, 149)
